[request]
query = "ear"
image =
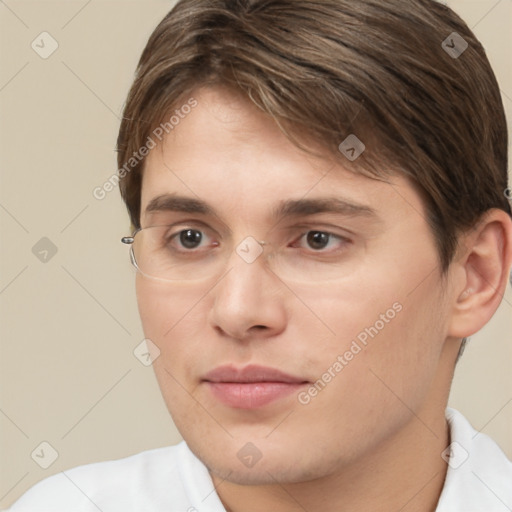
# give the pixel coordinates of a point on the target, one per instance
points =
(481, 273)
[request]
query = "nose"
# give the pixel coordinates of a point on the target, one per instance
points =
(249, 300)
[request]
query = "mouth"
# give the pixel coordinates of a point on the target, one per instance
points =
(251, 387)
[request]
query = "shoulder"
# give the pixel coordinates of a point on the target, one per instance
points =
(132, 483)
(479, 475)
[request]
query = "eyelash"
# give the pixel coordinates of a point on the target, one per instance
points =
(331, 236)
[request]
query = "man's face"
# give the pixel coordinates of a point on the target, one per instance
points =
(358, 319)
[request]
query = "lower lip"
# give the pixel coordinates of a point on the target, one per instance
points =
(251, 395)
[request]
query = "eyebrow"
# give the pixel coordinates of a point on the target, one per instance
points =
(175, 203)
(286, 208)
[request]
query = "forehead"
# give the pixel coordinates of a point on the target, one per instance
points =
(226, 154)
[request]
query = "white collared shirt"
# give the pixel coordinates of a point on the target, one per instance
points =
(479, 476)
(173, 479)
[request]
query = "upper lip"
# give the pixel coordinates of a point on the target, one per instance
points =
(251, 373)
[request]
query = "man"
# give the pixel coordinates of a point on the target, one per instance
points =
(318, 196)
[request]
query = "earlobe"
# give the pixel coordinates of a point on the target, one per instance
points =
(484, 273)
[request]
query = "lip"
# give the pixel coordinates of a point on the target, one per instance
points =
(251, 387)
(251, 373)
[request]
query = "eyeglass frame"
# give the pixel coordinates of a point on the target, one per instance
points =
(129, 240)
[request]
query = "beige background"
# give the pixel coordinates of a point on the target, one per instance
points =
(69, 326)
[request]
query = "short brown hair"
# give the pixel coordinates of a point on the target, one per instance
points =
(325, 69)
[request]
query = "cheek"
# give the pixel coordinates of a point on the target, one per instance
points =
(173, 319)
(163, 306)
(366, 395)
(153, 303)
(384, 350)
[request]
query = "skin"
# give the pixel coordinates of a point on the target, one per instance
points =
(372, 438)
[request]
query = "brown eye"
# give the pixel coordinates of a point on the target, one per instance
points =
(321, 243)
(318, 239)
(190, 238)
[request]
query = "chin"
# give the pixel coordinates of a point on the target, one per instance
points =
(284, 466)
(262, 475)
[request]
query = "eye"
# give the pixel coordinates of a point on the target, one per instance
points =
(189, 239)
(320, 240)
